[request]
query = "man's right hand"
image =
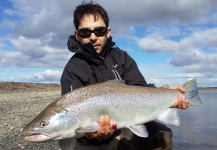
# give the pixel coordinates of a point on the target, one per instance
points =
(107, 129)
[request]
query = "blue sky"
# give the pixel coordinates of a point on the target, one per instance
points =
(172, 41)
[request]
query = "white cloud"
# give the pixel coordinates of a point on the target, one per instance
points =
(195, 58)
(163, 39)
(48, 76)
(157, 44)
(7, 24)
(187, 75)
(10, 12)
(160, 11)
(34, 53)
(200, 38)
(194, 52)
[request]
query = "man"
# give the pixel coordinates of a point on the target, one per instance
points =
(96, 59)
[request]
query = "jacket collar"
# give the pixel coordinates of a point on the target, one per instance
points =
(87, 51)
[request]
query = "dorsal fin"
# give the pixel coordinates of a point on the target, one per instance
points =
(115, 81)
(166, 86)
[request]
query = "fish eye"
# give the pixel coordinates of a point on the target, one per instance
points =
(43, 123)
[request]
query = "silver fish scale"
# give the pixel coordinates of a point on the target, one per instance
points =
(125, 109)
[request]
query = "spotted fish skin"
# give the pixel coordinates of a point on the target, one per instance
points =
(77, 112)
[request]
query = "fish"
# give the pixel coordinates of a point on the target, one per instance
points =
(77, 112)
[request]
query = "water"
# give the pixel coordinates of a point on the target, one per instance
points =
(198, 125)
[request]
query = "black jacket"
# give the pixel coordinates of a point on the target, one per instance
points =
(88, 67)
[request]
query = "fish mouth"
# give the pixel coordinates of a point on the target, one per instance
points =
(37, 137)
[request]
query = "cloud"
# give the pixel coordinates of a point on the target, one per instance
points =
(169, 39)
(193, 51)
(10, 12)
(34, 53)
(195, 58)
(48, 76)
(41, 18)
(187, 75)
(157, 44)
(163, 11)
(7, 24)
(201, 37)
(40, 33)
(197, 52)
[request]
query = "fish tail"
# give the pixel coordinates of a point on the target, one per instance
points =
(191, 93)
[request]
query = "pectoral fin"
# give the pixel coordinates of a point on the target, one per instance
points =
(139, 130)
(89, 128)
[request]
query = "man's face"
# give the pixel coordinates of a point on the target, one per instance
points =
(88, 22)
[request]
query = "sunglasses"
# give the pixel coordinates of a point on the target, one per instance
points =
(99, 31)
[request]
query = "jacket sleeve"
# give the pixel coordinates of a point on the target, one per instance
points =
(132, 74)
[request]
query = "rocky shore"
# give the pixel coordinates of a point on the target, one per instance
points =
(20, 103)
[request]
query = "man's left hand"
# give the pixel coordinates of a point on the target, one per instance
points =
(181, 102)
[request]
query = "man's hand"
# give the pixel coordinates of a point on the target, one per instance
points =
(106, 130)
(181, 101)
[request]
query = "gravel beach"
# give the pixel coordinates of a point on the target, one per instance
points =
(19, 104)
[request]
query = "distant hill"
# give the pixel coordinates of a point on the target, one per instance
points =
(207, 88)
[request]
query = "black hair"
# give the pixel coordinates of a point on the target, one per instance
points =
(90, 8)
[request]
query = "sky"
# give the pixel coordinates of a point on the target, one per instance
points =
(172, 41)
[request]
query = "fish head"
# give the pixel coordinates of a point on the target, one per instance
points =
(50, 124)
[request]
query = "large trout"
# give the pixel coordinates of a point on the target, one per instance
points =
(78, 111)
